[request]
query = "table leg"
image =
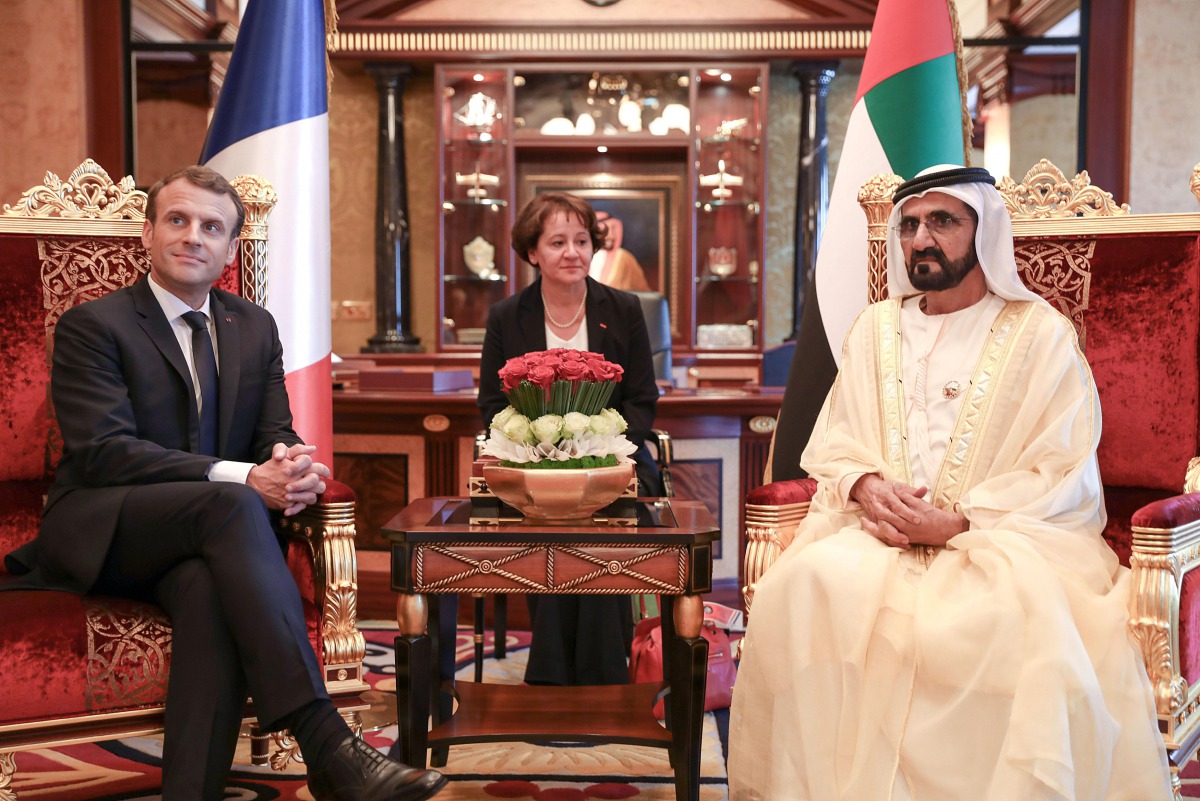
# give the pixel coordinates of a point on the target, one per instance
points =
(414, 664)
(443, 632)
(480, 610)
(500, 625)
(689, 672)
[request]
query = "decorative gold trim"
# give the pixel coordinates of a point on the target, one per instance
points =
(8, 769)
(287, 750)
(259, 198)
(1090, 226)
(1061, 272)
(762, 424)
(769, 530)
(329, 531)
(689, 44)
(1195, 182)
(875, 198)
(958, 465)
(891, 394)
(88, 193)
(1046, 192)
(73, 271)
(492, 567)
(1154, 625)
(1191, 482)
(128, 650)
(435, 423)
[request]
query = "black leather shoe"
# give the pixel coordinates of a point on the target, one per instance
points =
(357, 772)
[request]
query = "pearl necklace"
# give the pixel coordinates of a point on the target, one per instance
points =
(573, 320)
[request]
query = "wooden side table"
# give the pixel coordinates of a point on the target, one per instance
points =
(436, 550)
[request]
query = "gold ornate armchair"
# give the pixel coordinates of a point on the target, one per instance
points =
(86, 668)
(1131, 285)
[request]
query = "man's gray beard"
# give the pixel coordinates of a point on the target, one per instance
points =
(951, 274)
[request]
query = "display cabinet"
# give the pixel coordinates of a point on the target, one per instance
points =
(729, 221)
(670, 155)
(475, 198)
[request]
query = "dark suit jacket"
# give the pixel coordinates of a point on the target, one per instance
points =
(124, 401)
(615, 327)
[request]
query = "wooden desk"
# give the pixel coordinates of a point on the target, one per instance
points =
(435, 550)
(395, 447)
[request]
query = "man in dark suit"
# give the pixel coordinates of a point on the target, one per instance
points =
(173, 452)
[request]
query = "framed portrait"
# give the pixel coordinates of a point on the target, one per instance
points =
(645, 235)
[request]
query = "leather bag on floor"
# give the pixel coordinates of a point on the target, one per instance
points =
(646, 662)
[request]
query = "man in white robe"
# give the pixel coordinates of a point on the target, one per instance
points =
(949, 624)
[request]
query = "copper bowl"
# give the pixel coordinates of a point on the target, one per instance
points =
(558, 494)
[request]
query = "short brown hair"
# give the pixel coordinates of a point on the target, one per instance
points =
(205, 178)
(531, 221)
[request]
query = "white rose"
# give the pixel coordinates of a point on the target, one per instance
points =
(575, 424)
(602, 426)
(516, 428)
(617, 420)
(500, 419)
(547, 428)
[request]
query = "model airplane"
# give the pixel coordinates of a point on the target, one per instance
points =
(478, 181)
(721, 180)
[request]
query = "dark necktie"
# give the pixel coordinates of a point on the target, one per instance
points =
(206, 370)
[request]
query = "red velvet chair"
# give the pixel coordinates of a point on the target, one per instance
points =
(1131, 284)
(85, 668)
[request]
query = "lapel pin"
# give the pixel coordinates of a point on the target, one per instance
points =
(602, 325)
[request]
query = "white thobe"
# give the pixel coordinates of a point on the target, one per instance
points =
(1002, 668)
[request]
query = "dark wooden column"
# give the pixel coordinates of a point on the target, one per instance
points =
(812, 175)
(393, 301)
(1106, 93)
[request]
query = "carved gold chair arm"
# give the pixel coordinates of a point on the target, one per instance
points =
(772, 513)
(327, 528)
(1166, 546)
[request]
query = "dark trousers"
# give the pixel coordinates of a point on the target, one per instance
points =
(579, 639)
(207, 554)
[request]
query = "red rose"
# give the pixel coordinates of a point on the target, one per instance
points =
(600, 370)
(574, 370)
(513, 372)
(541, 376)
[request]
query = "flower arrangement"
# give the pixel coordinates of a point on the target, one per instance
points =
(556, 416)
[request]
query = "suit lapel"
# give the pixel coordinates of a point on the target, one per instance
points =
(532, 319)
(229, 355)
(598, 314)
(155, 325)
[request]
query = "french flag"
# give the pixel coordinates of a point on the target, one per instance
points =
(272, 119)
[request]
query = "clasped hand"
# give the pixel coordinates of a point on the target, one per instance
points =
(898, 515)
(290, 480)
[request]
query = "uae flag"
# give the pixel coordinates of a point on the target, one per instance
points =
(272, 119)
(907, 115)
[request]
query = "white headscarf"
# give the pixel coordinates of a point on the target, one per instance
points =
(993, 240)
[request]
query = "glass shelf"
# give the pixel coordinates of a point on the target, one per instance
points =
(495, 202)
(709, 205)
(474, 279)
(737, 279)
(475, 142)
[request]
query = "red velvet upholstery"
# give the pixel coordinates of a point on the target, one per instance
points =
(781, 493)
(1143, 333)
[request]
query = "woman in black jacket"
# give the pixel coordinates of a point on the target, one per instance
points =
(576, 639)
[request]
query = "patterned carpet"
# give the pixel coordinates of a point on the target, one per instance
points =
(128, 770)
